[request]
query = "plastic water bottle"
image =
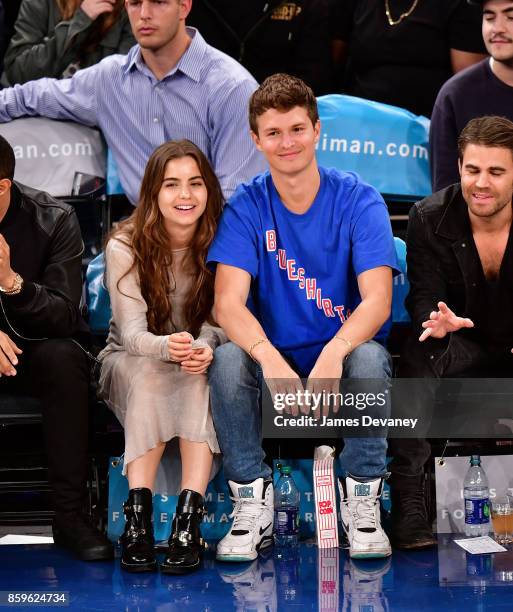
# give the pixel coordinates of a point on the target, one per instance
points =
(477, 499)
(286, 510)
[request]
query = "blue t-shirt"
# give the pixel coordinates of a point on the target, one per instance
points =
(304, 267)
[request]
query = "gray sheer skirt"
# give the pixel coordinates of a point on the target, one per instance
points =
(156, 402)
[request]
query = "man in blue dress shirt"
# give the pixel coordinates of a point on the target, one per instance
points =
(171, 85)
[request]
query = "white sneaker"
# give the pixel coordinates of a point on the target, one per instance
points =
(253, 518)
(359, 508)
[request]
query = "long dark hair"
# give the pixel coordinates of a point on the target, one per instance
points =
(102, 24)
(145, 233)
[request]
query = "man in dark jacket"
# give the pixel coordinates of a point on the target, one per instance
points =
(273, 36)
(484, 89)
(460, 268)
(40, 289)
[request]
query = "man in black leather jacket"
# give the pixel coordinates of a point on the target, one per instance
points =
(40, 289)
(460, 268)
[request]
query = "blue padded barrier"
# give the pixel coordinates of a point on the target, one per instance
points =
(386, 145)
(113, 183)
(401, 285)
(97, 296)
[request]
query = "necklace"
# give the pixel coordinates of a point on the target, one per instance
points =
(403, 16)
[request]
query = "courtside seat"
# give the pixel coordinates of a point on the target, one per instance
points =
(97, 297)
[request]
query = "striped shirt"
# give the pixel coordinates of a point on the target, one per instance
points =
(203, 98)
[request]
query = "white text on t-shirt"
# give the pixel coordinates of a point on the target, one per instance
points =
(309, 284)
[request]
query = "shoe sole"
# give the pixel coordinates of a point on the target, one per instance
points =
(135, 569)
(265, 543)
(176, 571)
(237, 558)
(377, 554)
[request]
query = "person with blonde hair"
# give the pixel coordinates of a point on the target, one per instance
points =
(55, 38)
(159, 348)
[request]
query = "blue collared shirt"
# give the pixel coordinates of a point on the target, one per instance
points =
(203, 98)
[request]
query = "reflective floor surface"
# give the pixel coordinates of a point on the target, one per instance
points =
(306, 579)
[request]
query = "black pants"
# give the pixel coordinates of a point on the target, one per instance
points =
(461, 357)
(57, 372)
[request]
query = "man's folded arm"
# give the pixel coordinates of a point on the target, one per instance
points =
(71, 99)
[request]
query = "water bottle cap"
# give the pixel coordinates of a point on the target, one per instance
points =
(285, 469)
(475, 460)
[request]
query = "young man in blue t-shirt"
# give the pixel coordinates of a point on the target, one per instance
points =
(314, 249)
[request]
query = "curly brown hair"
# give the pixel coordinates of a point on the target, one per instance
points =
(144, 232)
(282, 92)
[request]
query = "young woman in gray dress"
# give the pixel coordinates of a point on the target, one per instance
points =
(160, 345)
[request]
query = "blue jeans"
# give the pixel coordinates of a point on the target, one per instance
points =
(235, 391)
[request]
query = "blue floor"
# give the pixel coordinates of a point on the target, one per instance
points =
(443, 579)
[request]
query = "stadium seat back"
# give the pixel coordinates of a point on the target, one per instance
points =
(386, 145)
(401, 285)
(97, 296)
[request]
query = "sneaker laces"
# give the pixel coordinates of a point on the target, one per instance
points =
(364, 512)
(245, 512)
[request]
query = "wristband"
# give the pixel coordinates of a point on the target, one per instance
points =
(254, 345)
(348, 342)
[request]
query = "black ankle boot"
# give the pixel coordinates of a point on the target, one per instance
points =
(185, 542)
(410, 528)
(137, 542)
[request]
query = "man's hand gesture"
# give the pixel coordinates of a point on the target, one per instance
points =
(443, 321)
(8, 355)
